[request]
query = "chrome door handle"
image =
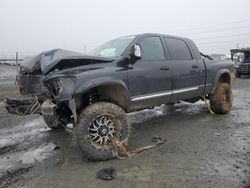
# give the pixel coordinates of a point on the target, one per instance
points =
(164, 68)
(195, 66)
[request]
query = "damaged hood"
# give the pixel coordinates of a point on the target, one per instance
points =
(59, 58)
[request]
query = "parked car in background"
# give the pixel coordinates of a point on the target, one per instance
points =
(218, 56)
(241, 58)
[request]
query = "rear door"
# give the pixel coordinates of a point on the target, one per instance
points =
(185, 69)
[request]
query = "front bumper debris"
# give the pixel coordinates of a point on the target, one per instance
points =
(23, 105)
(48, 108)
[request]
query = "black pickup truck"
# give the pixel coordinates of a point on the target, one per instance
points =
(94, 92)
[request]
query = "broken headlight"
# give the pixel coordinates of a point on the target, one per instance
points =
(62, 88)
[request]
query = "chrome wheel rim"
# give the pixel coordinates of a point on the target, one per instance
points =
(102, 130)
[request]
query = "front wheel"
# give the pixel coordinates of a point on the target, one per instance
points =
(97, 125)
(221, 100)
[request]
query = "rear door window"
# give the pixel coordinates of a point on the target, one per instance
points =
(178, 49)
(152, 49)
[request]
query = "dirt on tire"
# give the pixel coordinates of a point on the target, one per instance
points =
(221, 100)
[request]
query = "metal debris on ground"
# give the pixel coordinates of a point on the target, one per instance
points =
(56, 148)
(65, 162)
(121, 151)
(106, 174)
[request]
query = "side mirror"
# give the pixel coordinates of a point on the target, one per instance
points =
(136, 52)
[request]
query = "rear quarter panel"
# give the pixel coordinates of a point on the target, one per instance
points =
(215, 68)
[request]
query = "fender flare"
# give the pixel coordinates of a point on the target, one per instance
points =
(93, 83)
(218, 75)
(99, 82)
(87, 86)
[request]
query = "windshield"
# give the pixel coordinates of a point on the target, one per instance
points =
(113, 48)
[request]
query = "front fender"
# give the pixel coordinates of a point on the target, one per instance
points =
(83, 88)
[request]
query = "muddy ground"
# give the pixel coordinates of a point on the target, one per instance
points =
(202, 150)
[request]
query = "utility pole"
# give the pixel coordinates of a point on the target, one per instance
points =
(16, 58)
(237, 45)
(85, 49)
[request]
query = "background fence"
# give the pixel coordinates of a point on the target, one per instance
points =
(14, 57)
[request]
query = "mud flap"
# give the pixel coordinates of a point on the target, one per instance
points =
(23, 105)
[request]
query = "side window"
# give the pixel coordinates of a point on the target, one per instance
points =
(178, 49)
(152, 49)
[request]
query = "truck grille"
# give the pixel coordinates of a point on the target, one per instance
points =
(244, 68)
(31, 84)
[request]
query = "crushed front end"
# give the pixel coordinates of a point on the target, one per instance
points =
(61, 90)
(33, 93)
(31, 85)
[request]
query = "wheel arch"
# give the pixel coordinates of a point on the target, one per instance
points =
(222, 76)
(116, 90)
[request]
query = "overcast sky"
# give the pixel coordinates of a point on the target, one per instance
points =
(38, 25)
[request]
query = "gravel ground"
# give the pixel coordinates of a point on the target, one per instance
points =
(202, 150)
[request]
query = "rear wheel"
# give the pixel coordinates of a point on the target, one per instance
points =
(97, 125)
(221, 100)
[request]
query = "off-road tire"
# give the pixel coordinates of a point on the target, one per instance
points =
(53, 122)
(221, 100)
(85, 119)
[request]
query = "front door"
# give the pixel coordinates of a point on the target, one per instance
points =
(149, 79)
